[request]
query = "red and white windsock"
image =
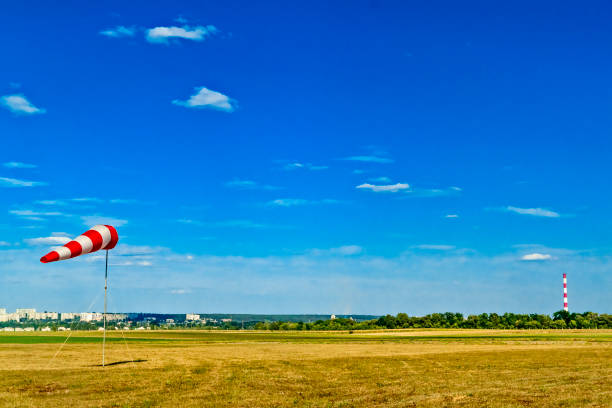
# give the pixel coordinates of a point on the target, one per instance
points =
(565, 292)
(99, 237)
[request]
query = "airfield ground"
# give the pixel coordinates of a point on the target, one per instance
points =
(425, 368)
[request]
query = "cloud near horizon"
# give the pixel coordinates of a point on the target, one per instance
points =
(207, 98)
(308, 283)
(344, 250)
(19, 105)
(435, 247)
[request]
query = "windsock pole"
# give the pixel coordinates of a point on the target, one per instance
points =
(565, 293)
(105, 287)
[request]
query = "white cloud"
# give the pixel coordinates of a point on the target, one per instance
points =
(536, 212)
(380, 179)
(4, 244)
(435, 247)
(20, 105)
(125, 201)
(163, 34)
(180, 291)
(370, 159)
(288, 202)
(18, 165)
(131, 263)
(91, 220)
(239, 224)
(53, 240)
(536, 257)
(190, 221)
(86, 200)
(292, 202)
(347, 250)
(435, 192)
(50, 202)
(306, 166)
(35, 215)
(392, 188)
(248, 224)
(344, 250)
(249, 185)
(241, 184)
(207, 98)
(11, 182)
(451, 216)
(119, 31)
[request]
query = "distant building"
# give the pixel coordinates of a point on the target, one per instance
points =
(91, 317)
(26, 313)
(192, 317)
(69, 316)
(9, 317)
(45, 329)
(46, 316)
(2, 311)
(226, 320)
(333, 317)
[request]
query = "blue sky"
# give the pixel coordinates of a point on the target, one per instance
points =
(355, 157)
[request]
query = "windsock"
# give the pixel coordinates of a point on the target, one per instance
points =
(99, 237)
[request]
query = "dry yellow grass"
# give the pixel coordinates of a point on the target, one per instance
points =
(195, 369)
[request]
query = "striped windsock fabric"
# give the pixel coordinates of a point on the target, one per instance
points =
(98, 237)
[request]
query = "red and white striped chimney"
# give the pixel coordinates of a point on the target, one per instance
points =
(565, 292)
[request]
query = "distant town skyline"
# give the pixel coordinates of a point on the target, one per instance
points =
(346, 157)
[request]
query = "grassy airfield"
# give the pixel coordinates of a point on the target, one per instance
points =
(404, 368)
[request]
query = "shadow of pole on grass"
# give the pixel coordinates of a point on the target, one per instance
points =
(120, 362)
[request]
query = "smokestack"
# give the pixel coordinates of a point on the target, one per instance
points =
(565, 292)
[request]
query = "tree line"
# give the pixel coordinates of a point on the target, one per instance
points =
(559, 320)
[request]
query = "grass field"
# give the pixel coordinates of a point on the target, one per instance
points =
(409, 368)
